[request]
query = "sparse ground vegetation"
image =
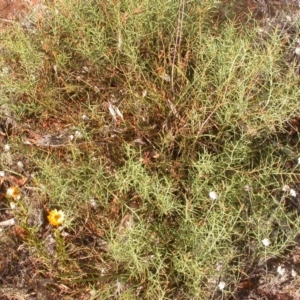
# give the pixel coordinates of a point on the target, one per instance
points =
(150, 150)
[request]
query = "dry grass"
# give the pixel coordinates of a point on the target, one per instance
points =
(126, 117)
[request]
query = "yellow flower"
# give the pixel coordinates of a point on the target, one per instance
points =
(14, 192)
(56, 217)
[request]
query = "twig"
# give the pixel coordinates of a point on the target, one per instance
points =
(9, 21)
(178, 38)
(8, 222)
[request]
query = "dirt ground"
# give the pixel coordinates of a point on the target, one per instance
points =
(13, 10)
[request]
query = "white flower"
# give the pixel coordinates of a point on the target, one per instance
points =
(288, 18)
(85, 69)
(93, 203)
(20, 165)
(144, 94)
(266, 242)
(55, 69)
(12, 205)
(5, 71)
(297, 51)
(293, 193)
(221, 285)
(2, 174)
(6, 147)
(120, 41)
(85, 118)
(78, 134)
(213, 195)
(247, 188)
(280, 270)
(285, 188)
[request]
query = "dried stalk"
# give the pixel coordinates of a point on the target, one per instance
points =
(178, 38)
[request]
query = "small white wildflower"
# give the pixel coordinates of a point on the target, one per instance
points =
(297, 51)
(6, 147)
(85, 69)
(144, 94)
(288, 18)
(221, 285)
(280, 270)
(165, 77)
(247, 188)
(5, 71)
(78, 134)
(285, 188)
(293, 193)
(2, 174)
(266, 242)
(120, 41)
(294, 273)
(12, 205)
(213, 195)
(55, 69)
(103, 271)
(93, 203)
(71, 137)
(20, 165)
(85, 118)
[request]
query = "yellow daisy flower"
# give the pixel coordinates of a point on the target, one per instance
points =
(14, 192)
(56, 217)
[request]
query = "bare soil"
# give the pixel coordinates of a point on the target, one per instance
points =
(16, 9)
